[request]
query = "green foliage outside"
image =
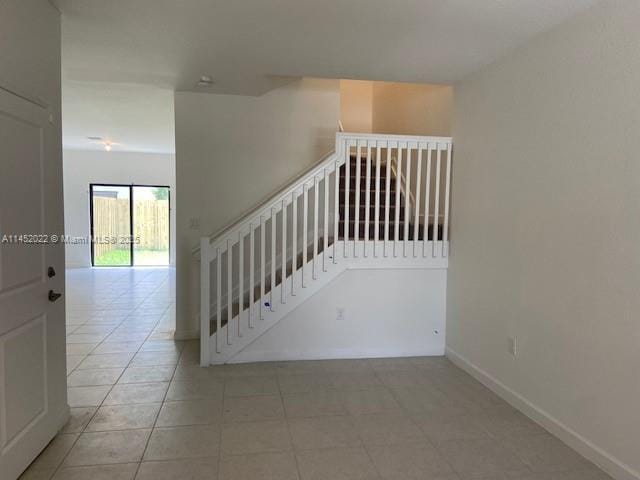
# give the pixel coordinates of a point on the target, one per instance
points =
(161, 193)
(123, 257)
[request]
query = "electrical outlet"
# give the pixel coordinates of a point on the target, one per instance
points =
(512, 346)
(340, 314)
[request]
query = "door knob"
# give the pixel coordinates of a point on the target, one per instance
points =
(51, 272)
(53, 296)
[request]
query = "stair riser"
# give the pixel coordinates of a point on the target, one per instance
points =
(372, 197)
(372, 211)
(372, 183)
(363, 167)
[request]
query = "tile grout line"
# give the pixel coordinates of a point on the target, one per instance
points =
(437, 381)
(83, 431)
(286, 422)
(59, 466)
(219, 462)
(155, 422)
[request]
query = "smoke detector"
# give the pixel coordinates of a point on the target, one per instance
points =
(205, 81)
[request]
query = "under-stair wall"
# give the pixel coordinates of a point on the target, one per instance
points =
(362, 313)
(378, 202)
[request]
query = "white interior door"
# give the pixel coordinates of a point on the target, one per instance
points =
(33, 405)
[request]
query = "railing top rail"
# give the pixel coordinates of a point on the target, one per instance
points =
(391, 137)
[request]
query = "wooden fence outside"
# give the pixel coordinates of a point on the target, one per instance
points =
(111, 219)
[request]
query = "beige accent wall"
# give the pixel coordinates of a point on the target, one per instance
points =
(546, 229)
(395, 108)
(234, 151)
(411, 109)
(356, 105)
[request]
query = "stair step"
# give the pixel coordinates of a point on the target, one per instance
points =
(372, 229)
(372, 196)
(372, 210)
(363, 192)
(372, 182)
(363, 161)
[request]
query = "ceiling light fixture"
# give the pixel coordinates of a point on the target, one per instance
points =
(205, 81)
(107, 144)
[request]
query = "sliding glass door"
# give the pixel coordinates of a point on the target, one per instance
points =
(151, 225)
(111, 225)
(129, 225)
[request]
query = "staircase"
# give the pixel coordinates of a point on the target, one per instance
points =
(378, 201)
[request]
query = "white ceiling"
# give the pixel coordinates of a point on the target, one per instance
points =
(252, 46)
(136, 118)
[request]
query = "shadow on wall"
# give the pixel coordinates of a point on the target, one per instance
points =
(234, 151)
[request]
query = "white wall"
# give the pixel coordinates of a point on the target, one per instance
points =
(232, 152)
(30, 49)
(388, 313)
(545, 230)
(82, 167)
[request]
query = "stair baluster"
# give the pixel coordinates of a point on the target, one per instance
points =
(427, 200)
(447, 194)
(316, 213)
(252, 280)
(436, 205)
(367, 199)
(376, 232)
(240, 281)
(325, 227)
(272, 261)
(283, 267)
(396, 227)
(294, 240)
(416, 218)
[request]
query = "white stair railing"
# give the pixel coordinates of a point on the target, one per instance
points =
(347, 210)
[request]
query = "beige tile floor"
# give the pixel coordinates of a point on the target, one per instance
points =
(142, 408)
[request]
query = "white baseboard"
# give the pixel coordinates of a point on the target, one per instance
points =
(604, 460)
(63, 417)
(290, 355)
(76, 266)
(186, 334)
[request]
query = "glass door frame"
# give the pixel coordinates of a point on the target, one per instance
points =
(130, 186)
